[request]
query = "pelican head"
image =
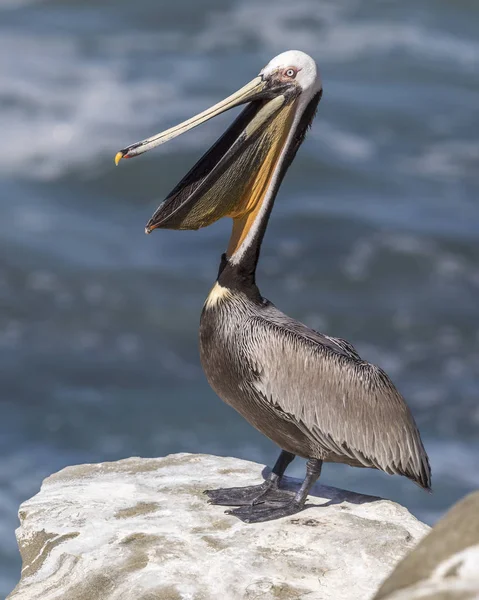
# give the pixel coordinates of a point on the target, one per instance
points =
(235, 175)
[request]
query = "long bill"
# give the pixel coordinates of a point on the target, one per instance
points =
(246, 94)
(233, 177)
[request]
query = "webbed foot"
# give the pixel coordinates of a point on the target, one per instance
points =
(247, 496)
(267, 511)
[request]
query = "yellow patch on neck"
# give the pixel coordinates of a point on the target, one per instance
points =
(217, 294)
(247, 209)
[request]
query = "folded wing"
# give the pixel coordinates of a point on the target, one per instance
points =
(348, 406)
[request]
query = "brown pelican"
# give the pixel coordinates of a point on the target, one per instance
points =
(310, 393)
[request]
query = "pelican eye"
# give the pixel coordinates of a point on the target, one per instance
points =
(291, 73)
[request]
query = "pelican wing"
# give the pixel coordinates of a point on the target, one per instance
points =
(348, 406)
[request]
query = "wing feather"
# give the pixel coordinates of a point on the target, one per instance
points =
(348, 406)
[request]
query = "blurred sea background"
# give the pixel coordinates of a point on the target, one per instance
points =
(374, 236)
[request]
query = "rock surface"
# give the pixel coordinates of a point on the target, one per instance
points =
(445, 564)
(141, 529)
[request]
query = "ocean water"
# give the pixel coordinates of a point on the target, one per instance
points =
(374, 236)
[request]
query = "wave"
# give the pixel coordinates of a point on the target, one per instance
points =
(332, 32)
(16, 4)
(63, 110)
(67, 101)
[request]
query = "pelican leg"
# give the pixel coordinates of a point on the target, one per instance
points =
(251, 495)
(270, 510)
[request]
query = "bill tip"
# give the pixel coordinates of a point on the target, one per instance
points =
(150, 226)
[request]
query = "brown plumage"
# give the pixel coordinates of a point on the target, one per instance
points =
(308, 392)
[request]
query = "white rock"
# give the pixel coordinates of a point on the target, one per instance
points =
(445, 564)
(141, 529)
